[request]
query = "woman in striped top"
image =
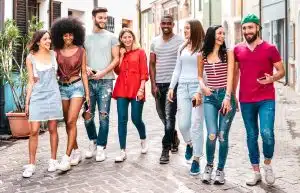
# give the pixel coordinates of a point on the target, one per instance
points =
(219, 105)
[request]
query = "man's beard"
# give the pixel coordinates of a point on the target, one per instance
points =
(98, 26)
(166, 33)
(251, 40)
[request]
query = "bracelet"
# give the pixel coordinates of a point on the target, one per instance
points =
(227, 96)
(142, 90)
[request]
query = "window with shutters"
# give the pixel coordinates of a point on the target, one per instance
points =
(1, 14)
(32, 9)
(55, 11)
(110, 26)
(24, 10)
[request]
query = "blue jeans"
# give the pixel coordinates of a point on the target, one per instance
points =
(136, 117)
(217, 125)
(100, 93)
(190, 120)
(72, 91)
(265, 110)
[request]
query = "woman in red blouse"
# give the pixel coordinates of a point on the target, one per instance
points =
(130, 88)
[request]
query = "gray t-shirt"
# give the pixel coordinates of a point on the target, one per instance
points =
(98, 47)
(166, 55)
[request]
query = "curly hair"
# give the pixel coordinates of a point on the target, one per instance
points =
(67, 25)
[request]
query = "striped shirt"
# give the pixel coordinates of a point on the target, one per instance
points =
(216, 74)
(166, 56)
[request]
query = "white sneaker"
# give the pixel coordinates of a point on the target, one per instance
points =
(65, 163)
(269, 175)
(91, 151)
(28, 170)
(144, 146)
(75, 157)
(52, 167)
(256, 177)
(220, 177)
(122, 157)
(206, 178)
(100, 155)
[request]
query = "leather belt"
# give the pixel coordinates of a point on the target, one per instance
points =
(68, 83)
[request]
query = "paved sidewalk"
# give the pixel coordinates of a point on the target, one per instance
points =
(143, 173)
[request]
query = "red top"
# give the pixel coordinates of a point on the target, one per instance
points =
(253, 65)
(69, 66)
(131, 71)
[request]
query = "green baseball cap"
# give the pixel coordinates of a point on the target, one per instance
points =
(251, 18)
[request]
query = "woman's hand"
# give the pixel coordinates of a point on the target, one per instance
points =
(27, 109)
(207, 91)
(170, 95)
(198, 99)
(140, 95)
(226, 106)
(88, 100)
(122, 52)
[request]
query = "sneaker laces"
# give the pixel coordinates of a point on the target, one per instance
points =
(268, 170)
(219, 173)
(208, 169)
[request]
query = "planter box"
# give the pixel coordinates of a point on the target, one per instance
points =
(19, 124)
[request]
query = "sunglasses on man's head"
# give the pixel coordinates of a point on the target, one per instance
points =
(166, 23)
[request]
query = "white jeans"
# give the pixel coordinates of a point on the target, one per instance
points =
(190, 120)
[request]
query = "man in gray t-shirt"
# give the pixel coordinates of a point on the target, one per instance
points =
(163, 58)
(102, 56)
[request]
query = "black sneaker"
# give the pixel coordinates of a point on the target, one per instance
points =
(164, 158)
(174, 147)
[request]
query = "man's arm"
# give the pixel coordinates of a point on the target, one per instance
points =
(111, 66)
(152, 71)
(115, 55)
(236, 77)
(280, 71)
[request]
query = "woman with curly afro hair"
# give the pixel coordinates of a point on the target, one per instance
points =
(68, 38)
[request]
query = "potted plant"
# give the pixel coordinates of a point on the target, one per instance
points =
(13, 71)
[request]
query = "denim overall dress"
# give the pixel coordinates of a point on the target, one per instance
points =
(45, 101)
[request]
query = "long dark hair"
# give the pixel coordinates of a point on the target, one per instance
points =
(209, 44)
(37, 36)
(197, 36)
(67, 25)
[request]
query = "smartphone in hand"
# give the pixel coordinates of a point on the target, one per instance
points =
(262, 78)
(194, 102)
(86, 106)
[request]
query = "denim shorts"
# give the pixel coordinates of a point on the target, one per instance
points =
(72, 91)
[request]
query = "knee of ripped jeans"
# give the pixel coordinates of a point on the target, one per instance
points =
(212, 137)
(103, 115)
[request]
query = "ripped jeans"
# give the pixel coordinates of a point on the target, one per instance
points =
(100, 94)
(217, 125)
(265, 110)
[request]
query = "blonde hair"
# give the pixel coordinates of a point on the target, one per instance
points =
(135, 44)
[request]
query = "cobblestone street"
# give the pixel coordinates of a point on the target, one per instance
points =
(143, 173)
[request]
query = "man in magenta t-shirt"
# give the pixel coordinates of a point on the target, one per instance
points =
(256, 60)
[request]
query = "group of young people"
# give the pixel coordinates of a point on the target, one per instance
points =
(195, 77)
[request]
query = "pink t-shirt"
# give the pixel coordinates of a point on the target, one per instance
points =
(253, 65)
